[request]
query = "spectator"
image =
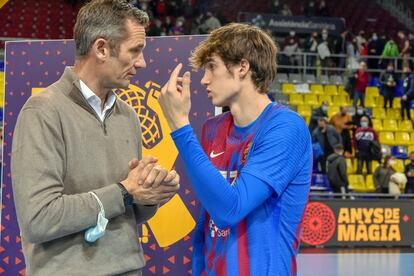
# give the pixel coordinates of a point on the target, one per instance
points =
(363, 137)
(317, 114)
(411, 40)
(361, 84)
(403, 47)
(310, 9)
(340, 49)
(360, 40)
(374, 49)
(342, 122)
(286, 10)
(259, 21)
(389, 82)
(160, 8)
(325, 48)
(352, 52)
(312, 47)
(168, 25)
(276, 8)
(291, 48)
(157, 29)
(382, 175)
(409, 172)
(389, 53)
(178, 28)
(338, 179)
(408, 92)
(211, 23)
(327, 136)
(322, 9)
(356, 119)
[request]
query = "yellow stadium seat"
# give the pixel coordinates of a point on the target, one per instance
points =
(405, 125)
(393, 114)
(304, 110)
(341, 90)
(349, 166)
(295, 99)
(387, 138)
(325, 98)
(356, 182)
(411, 148)
(372, 91)
(370, 102)
(402, 139)
(369, 183)
(307, 119)
(377, 125)
(378, 113)
(341, 100)
(375, 165)
(288, 88)
(380, 101)
(332, 110)
(331, 90)
(311, 99)
(396, 103)
(399, 165)
(317, 89)
(390, 125)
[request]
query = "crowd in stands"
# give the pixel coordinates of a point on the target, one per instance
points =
(345, 136)
(344, 52)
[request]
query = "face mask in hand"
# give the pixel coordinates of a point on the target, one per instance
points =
(96, 232)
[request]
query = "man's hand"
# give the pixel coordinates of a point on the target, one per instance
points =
(175, 99)
(149, 183)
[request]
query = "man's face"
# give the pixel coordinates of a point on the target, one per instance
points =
(363, 66)
(122, 69)
(222, 87)
(321, 124)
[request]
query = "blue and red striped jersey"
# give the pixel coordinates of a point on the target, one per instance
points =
(276, 150)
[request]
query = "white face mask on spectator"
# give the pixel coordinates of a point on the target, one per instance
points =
(324, 36)
(292, 33)
(364, 124)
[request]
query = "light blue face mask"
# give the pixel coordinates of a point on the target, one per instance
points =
(96, 232)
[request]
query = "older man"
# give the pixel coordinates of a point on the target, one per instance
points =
(78, 185)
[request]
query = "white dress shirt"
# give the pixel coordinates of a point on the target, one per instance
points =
(95, 102)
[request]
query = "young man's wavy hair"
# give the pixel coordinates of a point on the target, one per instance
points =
(235, 42)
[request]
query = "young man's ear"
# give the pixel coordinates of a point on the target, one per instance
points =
(100, 49)
(244, 68)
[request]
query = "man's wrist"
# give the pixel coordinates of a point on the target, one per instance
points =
(126, 196)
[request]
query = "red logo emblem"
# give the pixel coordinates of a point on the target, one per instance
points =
(319, 224)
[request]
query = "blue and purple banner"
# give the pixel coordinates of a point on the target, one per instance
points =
(167, 237)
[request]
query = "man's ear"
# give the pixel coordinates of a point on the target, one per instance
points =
(244, 68)
(100, 49)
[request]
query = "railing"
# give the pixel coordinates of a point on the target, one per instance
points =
(306, 62)
(361, 195)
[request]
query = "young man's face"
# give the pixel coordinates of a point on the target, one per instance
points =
(122, 69)
(222, 87)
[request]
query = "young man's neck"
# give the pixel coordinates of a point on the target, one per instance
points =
(248, 107)
(87, 73)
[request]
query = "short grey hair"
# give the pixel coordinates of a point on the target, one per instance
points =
(105, 19)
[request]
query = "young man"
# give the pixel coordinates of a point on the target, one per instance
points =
(408, 92)
(361, 84)
(75, 151)
(252, 169)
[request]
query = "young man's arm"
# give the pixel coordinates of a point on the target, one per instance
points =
(198, 244)
(272, 164)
